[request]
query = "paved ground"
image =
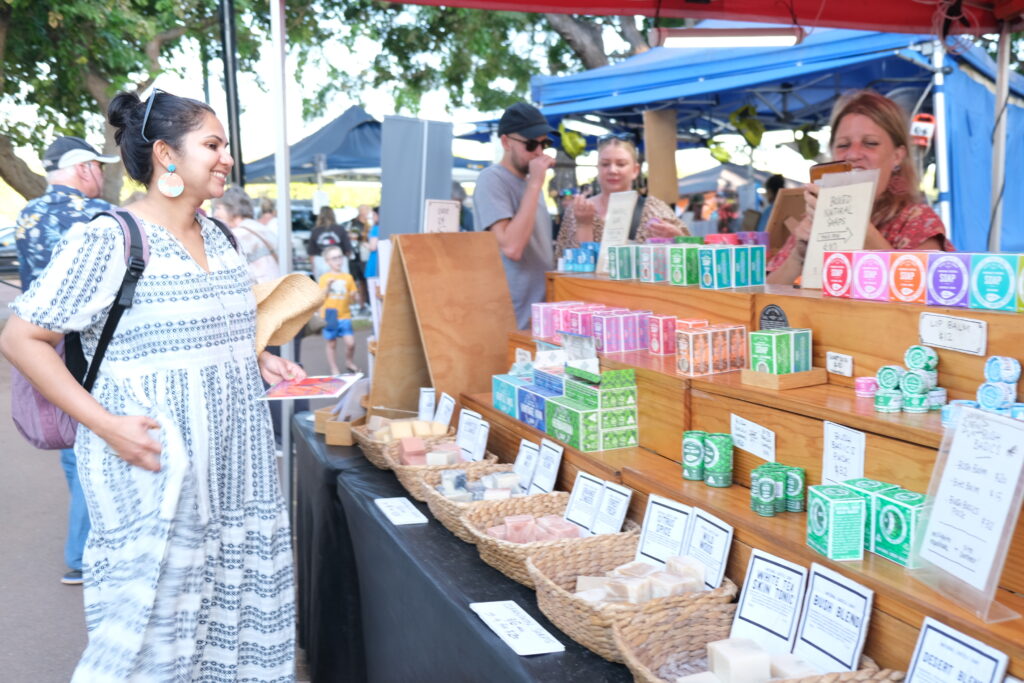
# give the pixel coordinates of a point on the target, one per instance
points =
(42, 627)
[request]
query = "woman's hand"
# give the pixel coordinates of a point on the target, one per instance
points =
(276, 369)
(584, 210)
(658, 227)
(129, 437)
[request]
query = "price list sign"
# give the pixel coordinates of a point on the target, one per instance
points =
(976, 496)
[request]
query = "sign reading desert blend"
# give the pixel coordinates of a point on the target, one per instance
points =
(840, 219)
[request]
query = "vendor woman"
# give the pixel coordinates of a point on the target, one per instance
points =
(871, 131)
(617, 169)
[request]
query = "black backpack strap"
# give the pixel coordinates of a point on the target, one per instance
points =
(634, 224)
(232, 240)
(136, 258)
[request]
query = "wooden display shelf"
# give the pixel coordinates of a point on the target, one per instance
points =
(785, 382)
(901, 602)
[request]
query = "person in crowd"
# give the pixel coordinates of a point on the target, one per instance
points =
(870, 131)
(74, 185)
(327, 233)
(373, 271)
(337, 310)
(771, 191)
(235, 210)
(188, 565)
(358, 234)
(617, 169)
(268, 215)
(465, 212)
(509, 201)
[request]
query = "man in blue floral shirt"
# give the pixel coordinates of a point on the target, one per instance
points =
(74, 184)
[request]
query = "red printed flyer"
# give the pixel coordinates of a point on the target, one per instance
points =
(311, 387)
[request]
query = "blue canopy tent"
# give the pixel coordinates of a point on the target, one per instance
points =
(790, 87)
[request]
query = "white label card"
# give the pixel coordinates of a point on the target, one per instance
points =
(944, 654)
(426, 404)
(547, 467)
(583, 502)
(441, 215)
(445, 410)
(839, 363)
(843, 456)
(664, 533)
(516, 628)
(400, 511)
(978, 486)
(611, 512)
(709, 541)
(770, 602)
(753, 438)
(956, 334)
(472, 435)
(835, 621)
(526, 463)
(523, 356)
(841, 218)
(616, 224)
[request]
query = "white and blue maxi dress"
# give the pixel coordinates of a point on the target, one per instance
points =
(188, 571)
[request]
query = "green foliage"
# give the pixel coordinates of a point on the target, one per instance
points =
(991, 45)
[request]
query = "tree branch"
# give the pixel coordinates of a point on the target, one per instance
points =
(584, 37)
(5, 22)
(16, 172)
(629, 32)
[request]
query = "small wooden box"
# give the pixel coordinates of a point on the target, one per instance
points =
(791, 380)
(340, 433)
(320, 419)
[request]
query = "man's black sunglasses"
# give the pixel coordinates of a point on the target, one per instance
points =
(532, 145)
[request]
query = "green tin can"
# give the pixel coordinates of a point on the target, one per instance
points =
(796, 480)
(693, 455)
(919, 357)
(718, 460)
(888, 401)
(764, 495)
(915, 403)
(889, 376)
(777, 473)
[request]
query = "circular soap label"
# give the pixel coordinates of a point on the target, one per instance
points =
(794, 484)
(948, 278)
(870, 277)
(766, 490)
(818, 517)
(836, 274)
(992, 281)
(907, 277)
(893, 524)
(693, 453)
(711, 454)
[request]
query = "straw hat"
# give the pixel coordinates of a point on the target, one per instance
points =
(283, 307)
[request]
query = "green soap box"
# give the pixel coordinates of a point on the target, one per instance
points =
(683, 265)
(771, 351)
(835, 522)
(598, 397)
(619, 438)
(868, 489)
(573, 423)
(619, 418)
(897, 524)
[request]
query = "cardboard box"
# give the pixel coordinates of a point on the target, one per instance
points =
(619, 418)
(771, 351)
(337, 433)
(737, 347)
(716, 266)
(741, 266)
(551, 379)
(949, 279)
(631, 331)
(994, 281)
(622, 262)
(531, 400)
(908, 277)
(573, 423)
(758, 264)
(869, 489)
(870, 275)
(600, 397)
(835, 522)
(607, 330)
(661, 330)
(693, 352)
(837, 274)
(620, 438)
(802, 358)
(683, 268)
(720, 348)
(505, 393)
(897, 524)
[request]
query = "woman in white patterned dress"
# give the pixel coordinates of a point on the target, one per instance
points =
(188, 568)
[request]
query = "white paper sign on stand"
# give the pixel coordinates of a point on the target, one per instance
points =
(611, 512)
(526, 463)
(709, 541)
(752, 437)
(835, 621)
(616, 224)
(445, 410)
(584, 500)
(770, 603)
(974, 499)
(472, 435)
(516, 628)
(944, 654)
(665, 530)
(841, 218)
(426, 408)
(441, 215)
(546, 474)
(843, 456)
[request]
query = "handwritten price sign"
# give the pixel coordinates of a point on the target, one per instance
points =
(956, 334)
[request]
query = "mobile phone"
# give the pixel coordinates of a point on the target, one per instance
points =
(819, 170)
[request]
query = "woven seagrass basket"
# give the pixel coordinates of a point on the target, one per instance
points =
(510, 558)
(383, 454)
(554, 578)
(449, 512)
(411, 476)
(665, 636)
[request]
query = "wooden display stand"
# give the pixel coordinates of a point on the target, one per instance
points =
(790, 380)
(446, 318)
(900, 447)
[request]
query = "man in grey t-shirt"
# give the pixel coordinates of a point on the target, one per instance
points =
(509, 201)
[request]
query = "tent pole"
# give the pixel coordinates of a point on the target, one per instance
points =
(282, 173)
(941, 143)
(995, 229)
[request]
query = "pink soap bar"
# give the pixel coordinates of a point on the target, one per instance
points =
(413, 445)
(558, 527)
(871, 275)
(500, 532)
(408, 459)
(521, 528)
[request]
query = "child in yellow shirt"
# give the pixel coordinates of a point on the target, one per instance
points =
(341, 291)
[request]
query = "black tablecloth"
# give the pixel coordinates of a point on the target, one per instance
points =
(328, 589)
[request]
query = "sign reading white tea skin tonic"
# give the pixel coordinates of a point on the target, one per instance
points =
(752, 437)
(841, 218)
(547, 467)
(526, 463)
(666, 525)
(616, 225)
(611, 511)
(709, 541)
(843, 457)
(977, 499)
(445, 410)
(965, 335)
(770, 603)
(584, 500)
(400, 511)
(516, 628)
(944, 654)
(426, 412)
(834, 622)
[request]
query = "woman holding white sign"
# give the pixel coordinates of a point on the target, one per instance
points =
(871, 132)
(617, 169)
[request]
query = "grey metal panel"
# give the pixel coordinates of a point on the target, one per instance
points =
(416, 165)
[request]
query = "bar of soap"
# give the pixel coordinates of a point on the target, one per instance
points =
(413, 459)
(453, 479)
(521, 528)
(637, 568)
(629, 588)
(739, 660)
(500, 532)
(664, 584)
(459, 496)
(438, 429)
(496, 494)
(421, 428)
(589, 583)
(382, 434)
(375, 422)
(594, 595)
(702, 677)
(436, 457)
(500, 480)
(686, 566)
(412, 445)
(787, 665)
(401, 429)
(558, 527)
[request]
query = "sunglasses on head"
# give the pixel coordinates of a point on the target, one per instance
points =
(145, 117)
(532, 145)
(621, 137)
